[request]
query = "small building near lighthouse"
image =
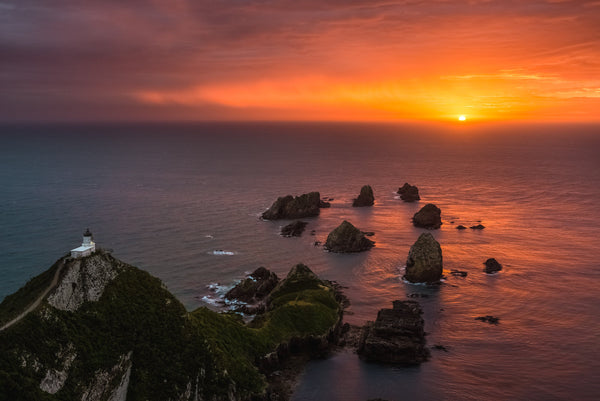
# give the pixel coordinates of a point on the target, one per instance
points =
(87, 246)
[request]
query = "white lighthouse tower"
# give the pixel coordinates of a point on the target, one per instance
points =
(87, 246)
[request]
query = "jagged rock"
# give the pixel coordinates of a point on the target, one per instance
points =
(424, 262)
(254, 288)
(294, 229)
(102, 387)
(461, 227)
(346, 238)
(477, 227)
(84, 280)
(365, 198)
(489, 319)
(55, 379)
(289, 207)
(409, 193)
(397, 336)
(492, 266)
(428, 217)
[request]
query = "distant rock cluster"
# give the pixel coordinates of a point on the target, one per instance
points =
(397, 335)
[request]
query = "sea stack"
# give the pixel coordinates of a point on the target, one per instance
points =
(424, 262)
(409, 193)
(365, 198)
(289, 207)
(347, 239)
(397, 336)
(430, 216)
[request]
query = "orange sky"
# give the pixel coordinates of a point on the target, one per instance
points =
(301, 60)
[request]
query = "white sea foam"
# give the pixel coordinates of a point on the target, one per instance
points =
(210, 300)
(221, 252)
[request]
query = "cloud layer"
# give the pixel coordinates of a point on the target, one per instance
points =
(302, 59)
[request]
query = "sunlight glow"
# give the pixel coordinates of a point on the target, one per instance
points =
(462, 118)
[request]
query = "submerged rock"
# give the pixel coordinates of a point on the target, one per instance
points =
(254, 288)
(409, 193)
(430, 216)
(424, 262)
(324, 204)
(492, 266)
(397, 336)
(461, 227)
(289, 207)
(477, 227)
(346, 238)
(458, 273)
(365, 198)
(489, 319)
(440, 347)
(294, 229)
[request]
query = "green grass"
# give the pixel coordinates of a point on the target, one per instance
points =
(170, 347)
(15, 303)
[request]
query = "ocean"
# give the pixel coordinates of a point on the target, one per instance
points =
(165, 197)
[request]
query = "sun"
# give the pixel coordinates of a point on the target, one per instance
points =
(462, 118)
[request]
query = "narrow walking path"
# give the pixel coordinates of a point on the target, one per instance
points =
(39, 299)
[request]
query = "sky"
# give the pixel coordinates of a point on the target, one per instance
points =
(339, 60)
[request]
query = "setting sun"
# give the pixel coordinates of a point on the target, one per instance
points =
(462, 118)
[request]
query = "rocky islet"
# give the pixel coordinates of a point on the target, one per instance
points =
(409, 193)
(347, 239)
(430, 217)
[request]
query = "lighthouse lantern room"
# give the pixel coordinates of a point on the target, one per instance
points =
(87, 246)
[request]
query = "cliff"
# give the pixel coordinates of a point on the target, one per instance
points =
(106, 330)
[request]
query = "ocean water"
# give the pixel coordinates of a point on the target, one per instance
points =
(166, 197)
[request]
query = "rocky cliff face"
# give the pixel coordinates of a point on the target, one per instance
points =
(110, 385)
(55, 378)
(254, 288)
(110, 331)
(84, 280)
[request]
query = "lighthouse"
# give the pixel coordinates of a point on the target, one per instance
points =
(87, 246)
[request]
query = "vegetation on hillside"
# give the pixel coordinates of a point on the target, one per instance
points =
(172, 351)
